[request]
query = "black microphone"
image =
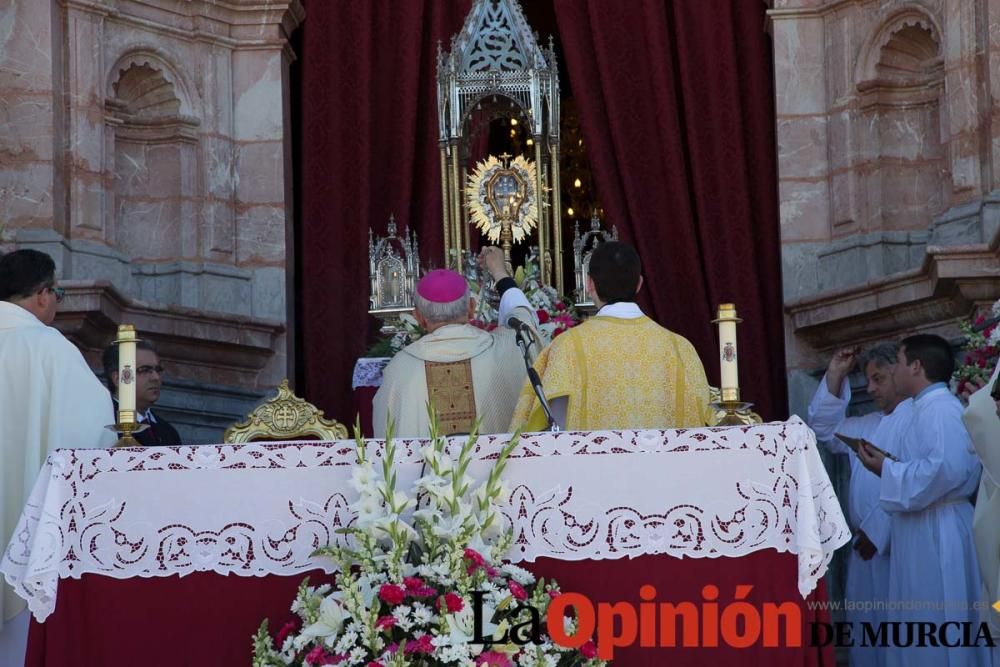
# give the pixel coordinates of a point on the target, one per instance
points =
(517, 325)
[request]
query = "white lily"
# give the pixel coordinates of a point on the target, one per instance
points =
(449, 527)
(329, 624)
(461, 626)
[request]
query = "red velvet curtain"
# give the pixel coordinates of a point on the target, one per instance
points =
(368, 148)
(676, 105)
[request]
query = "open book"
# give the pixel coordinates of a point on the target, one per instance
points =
(854, 443)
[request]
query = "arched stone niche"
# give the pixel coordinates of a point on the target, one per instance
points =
(900, 82)
(152, 158)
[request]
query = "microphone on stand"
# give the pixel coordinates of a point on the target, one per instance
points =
(525, 337)
(518, 325)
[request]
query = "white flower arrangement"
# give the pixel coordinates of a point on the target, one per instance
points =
(419, 564)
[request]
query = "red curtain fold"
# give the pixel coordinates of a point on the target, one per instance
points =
(676, 105)
(369, 147)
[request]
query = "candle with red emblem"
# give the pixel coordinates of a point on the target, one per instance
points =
(126, 369)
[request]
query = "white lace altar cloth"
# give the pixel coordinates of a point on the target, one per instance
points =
(368, 371)
(262, 508)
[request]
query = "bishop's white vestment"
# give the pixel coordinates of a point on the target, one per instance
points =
(983, 425)
(867, 580)
(933, 572)
(495, 362)
(49, 399)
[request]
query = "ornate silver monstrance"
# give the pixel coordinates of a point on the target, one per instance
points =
(496, 66)
(502, 200)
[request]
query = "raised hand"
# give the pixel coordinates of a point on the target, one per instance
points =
(492, 259)
(840, 367)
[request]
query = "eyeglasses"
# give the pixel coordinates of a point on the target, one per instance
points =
(58, 292)
(146, 370)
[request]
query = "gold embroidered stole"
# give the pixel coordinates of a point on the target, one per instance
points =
(450, 391)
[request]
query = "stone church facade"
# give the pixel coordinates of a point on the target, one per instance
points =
(888, 119)
(146, 146)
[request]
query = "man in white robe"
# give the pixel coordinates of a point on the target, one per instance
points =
(983, 423)
(868, 564)
(933, 573)
(49, 399)
(462, 370)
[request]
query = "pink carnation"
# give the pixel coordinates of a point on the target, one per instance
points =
(475, 557)
(589, 650)
(517, 590)
(412, 582)
(424, 592)
(287, 629)
(392, 594)
(564, 320)
(319, 656)
(421, 645)
(543, 316)
(453, 603)
(493, 659)
(385, 622)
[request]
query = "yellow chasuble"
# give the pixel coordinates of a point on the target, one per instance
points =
(619, 373)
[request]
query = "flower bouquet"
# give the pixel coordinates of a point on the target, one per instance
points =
(555, 313)
(981, 350)
(422, 581)
(389, 346)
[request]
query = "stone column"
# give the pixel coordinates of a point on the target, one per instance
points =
(802, 126)
(83, 98)
(28, 162)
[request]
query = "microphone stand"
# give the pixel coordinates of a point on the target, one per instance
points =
(536, 382)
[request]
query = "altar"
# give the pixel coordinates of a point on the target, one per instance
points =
(173, 555)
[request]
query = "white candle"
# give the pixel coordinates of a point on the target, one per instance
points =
(126, 368)
(727, 347)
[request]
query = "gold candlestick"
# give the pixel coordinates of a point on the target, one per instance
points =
(127, 421)
(728, 368)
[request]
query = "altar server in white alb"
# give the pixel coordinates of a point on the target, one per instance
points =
(463, 371)
(933, 573)
(868, 563)
(983, 422)
(49, 398)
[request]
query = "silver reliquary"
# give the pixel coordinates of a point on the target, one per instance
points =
(583, 248)
(393, 266)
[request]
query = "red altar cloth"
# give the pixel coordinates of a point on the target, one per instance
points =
(206, 619)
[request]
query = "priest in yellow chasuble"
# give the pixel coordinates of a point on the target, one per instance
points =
(619, 369)
(462, 370)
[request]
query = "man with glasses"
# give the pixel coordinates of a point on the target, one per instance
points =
(149, 381)
(49, 399)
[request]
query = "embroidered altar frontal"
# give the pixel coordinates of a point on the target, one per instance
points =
(263, 508)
